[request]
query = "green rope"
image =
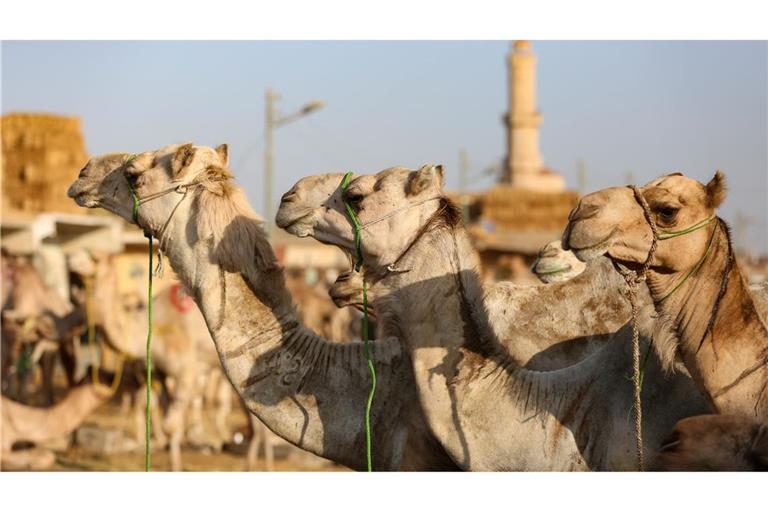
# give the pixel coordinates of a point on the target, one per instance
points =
(148, 411)
(665, 234)
(148, 429)
(696, 267)
(369, 359)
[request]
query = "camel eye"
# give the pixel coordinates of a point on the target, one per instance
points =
(668, 214)
(354, 200)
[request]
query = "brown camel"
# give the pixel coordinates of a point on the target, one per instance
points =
(40, 424)
(305, 389)
(473, 349)
(693, 277)
(715, 442)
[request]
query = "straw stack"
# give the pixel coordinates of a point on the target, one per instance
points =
(42, 155)
(511, 208)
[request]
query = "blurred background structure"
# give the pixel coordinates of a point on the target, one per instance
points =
(616, 112)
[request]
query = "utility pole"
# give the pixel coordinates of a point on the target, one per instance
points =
(581, 175)
(272, 120)
(269, 124)
(463, 170)
(463, 179)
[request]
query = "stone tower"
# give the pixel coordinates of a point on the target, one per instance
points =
(524, 167)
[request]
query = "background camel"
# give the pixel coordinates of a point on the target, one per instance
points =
(287, 375)
(183, 353)
(426, 291)
(554, 264)
(39, 424)
(36, 320)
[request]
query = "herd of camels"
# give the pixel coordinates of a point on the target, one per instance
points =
(470, 376)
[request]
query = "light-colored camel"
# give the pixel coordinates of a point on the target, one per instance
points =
(305, 389)
(34, 315)
(693, 277)
(554, 264)
(181, 349)
(470, 349)
(319, 315)
(40, 424)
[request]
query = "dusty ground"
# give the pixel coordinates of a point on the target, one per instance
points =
(110, 426)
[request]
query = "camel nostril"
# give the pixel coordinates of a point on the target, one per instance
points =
(289, 197)
(583, 212)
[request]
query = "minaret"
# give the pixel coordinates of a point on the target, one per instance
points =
(524, 167)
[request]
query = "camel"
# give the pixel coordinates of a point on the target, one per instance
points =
(715, 442)
(554, 264)
(36, 317)
(474, 351)
(181, 350)
(306, 389)
(694, 279)
(317, 314)
(39, 424)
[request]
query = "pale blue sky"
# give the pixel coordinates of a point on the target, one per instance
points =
(644, 107)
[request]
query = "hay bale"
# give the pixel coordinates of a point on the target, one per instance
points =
(511, 208)
(41, 155)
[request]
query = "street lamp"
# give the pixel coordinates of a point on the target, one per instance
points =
(272, 120)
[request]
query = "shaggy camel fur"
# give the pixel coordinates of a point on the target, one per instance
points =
(305, 389)
(472, 351)
(40, 424)
(694, 279)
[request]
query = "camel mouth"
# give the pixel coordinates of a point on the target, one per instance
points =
(548, 270)
(82, 195)
(591, 251)
(301, 226)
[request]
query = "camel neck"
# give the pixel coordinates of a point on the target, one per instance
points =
(722, 339)
(123, 330)
(286, 374)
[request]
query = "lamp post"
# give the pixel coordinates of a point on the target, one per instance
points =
(272, 120)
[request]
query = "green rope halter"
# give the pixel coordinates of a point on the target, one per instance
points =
(148, 411)
(358, 266)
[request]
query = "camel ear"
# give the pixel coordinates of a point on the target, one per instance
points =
(716, 190)
(760, 447)
(427, 176)
(182, 158)
(223, 151)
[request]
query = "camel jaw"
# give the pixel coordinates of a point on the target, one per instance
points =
(548, 273)
(302, 227)
(582, 245)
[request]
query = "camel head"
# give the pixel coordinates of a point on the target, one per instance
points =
(106, 181)
(82, 263)
(554, 264)
(715, 442)
(347, 290)
(391, 205)
(99, 185)
(612, 221)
